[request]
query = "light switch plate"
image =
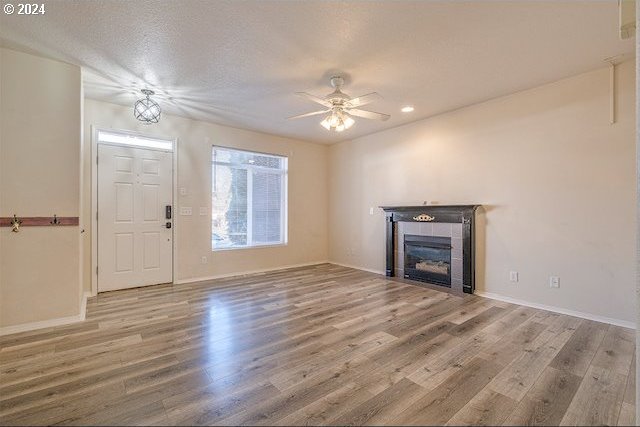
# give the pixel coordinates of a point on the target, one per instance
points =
(554, 282)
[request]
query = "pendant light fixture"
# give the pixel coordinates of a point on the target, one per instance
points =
(146, 109)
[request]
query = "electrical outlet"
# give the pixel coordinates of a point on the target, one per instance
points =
(554, 282)
(513, 276)
(204, 260)
(185, 210)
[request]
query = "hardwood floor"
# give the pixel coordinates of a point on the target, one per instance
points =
(314, 346)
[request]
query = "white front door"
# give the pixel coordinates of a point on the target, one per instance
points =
(134, 234)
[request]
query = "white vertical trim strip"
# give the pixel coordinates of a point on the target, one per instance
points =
(612, 93)
(637, 207)
(174, 211)
(94, 210)
(249, 206)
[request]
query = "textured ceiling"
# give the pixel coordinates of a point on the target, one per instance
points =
(239, 63)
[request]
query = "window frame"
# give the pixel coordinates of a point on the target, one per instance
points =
(284, 200)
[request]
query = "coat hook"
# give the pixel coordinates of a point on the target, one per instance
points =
(15, 224)
(55, 220)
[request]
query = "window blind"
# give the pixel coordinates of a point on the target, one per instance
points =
(249, 202)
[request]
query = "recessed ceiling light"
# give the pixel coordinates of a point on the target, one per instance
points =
(407, 109)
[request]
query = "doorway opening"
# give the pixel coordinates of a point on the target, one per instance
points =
(133, 230)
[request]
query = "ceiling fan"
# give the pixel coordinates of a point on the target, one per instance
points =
(339, 107)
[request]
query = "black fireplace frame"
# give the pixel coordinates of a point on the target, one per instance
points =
(464, 214)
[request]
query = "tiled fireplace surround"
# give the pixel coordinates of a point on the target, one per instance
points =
(456, 222)
(439, 229)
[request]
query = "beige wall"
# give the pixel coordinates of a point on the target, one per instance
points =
(308, 234)
(40, 120)
(555, 178)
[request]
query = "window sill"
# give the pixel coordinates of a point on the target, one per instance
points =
(275, 245)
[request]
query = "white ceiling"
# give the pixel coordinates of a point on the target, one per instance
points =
(239, 63)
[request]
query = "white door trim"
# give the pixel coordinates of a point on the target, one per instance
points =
(94, 199)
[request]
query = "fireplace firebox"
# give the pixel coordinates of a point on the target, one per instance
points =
(428, 259)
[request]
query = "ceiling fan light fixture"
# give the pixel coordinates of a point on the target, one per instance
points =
(337, 121)
(325, 123)
(340, 109)
(348, 122)
(146, 109)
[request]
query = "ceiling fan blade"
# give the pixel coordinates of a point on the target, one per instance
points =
(368, 114)
(314, 113)
(365, 99)
(314, 98)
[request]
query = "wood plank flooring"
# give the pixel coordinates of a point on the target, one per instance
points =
(321, 345)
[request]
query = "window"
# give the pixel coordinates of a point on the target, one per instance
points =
(122, 138)
(249, 199)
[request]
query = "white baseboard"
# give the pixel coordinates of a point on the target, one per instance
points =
(358, 268)
(611, 321)
(60, 321)
(24, 327)
(244, 273)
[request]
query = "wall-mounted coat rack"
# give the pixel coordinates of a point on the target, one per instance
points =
(16, 222)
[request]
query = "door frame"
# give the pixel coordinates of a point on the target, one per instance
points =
(94, 197)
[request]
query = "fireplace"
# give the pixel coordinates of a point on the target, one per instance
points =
(432, 244)
(428, 259)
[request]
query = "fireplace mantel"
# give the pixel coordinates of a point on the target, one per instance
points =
(464, 214)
